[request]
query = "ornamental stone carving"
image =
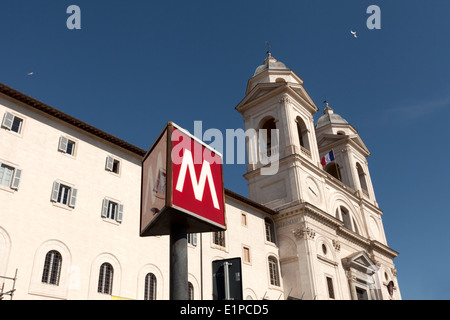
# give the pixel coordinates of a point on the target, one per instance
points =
(304, 233)
(337, 245)
(284, 99)
(394, 272)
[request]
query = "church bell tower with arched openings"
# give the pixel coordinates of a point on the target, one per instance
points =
(328, 226)
(276, 99)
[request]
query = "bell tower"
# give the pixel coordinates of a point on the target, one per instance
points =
(336, 135)
(276, 100)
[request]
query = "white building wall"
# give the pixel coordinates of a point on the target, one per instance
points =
(31, 224)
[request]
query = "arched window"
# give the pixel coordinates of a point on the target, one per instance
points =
(105, 278)
(190, 291)
(302, 133)
(343, 214)
(52, 268)
(268, 126)
(270, 230)
(273, 271)
(150, 287)
(362, 178)
(333, 169)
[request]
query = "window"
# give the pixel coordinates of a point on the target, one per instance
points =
(246, 254)
(105, 278)
(345, 217)
(190, 291)
(362, 178)
(361, 294)
(270, 143)
(302, 133)
(273, 272)
(9, 176)
(333, 169)
(244, 219)
(64, 194)
(270, 231)
(112, 164)
(330, 287)
(150, 287)
(67, 146)
(12, 122)
(219, 238)
(192, 239)
(52, 268)
(112, 210)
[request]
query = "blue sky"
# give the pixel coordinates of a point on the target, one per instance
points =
(135, 65)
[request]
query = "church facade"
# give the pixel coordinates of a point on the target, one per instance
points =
(70, 195)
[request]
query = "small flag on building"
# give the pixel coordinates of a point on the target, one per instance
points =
(326, 159)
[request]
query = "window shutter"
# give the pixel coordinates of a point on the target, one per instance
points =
(8, 119)
(194, 239)
(109, 163)
(63, 141)
(55, 191)
(105, 208)
(120, 213)
(73, 197)
(16, 179)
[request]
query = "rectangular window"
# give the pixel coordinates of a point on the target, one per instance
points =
(361, 294)
(64, 194)
(67, 146)
(112, 210)
(244, 219)
(219, 238)
(112, 164)
(192, 239)
(10, 176)
(12, 122)
(330, 287)
(246, 254)
(6, 173)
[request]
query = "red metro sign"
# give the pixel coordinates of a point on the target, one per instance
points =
(182, 182)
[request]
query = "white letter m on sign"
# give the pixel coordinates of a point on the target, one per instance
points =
(199, 187)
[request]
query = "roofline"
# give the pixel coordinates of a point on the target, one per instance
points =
(249, 202)
(38, 105)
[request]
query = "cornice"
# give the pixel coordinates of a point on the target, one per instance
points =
(306, 209)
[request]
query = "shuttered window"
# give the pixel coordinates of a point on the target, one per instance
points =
(12, 122)
(112, 164)
(112, 210)
(67, 146)
(64, 194)
(192, 239)
(10, 176)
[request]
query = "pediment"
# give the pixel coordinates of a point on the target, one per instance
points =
(360, 261)
(327, 139)
(264, 91)
(336, 139)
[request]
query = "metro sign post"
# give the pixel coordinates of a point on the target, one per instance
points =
(181, 192)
